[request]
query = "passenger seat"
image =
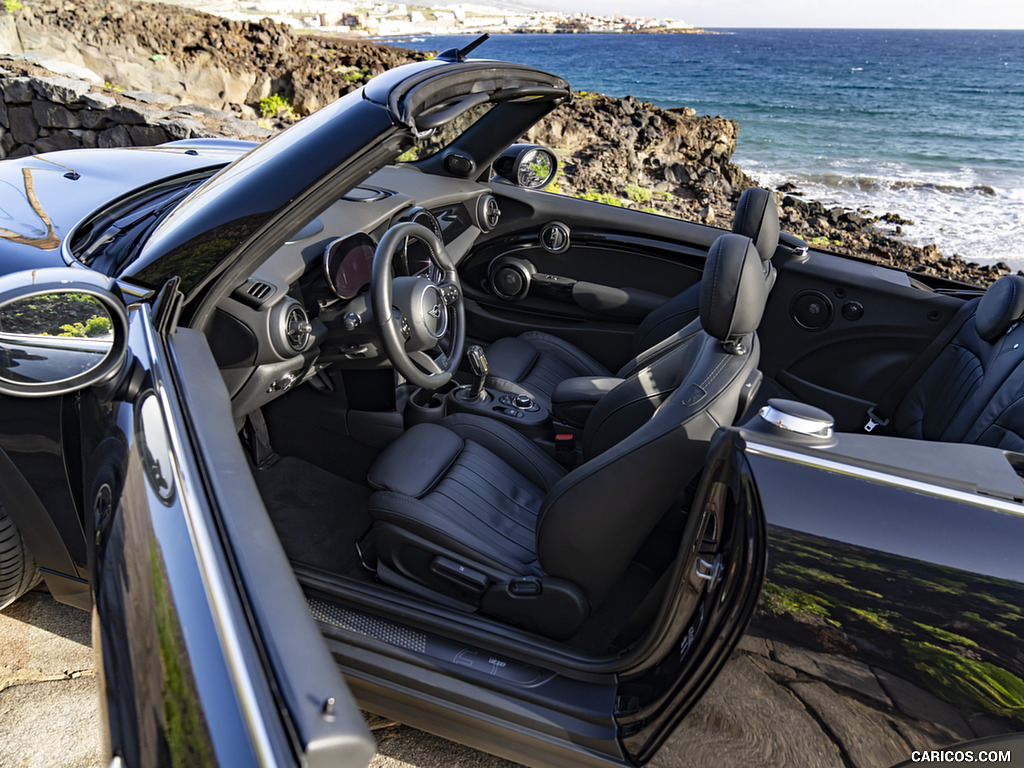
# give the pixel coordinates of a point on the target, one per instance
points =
(534, 363)
(973, 392)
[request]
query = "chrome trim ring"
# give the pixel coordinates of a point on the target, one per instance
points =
(801, 425)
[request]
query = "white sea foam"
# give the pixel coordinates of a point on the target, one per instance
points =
(961, 213)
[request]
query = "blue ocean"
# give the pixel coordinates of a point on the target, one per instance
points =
(927, 124)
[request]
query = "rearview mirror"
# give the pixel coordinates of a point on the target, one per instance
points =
(61, 330)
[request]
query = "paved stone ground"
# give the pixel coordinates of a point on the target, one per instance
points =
(49, 710)
(48, 697)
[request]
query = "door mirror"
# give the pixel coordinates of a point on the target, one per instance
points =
(61, 330)
(527, 165)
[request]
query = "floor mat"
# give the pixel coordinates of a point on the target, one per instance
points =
(318, 515)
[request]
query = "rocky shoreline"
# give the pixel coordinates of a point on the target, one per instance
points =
(620, 151)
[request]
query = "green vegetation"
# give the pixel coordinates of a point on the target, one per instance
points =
(350, 74)
(638, 194)
(599, 197)
(824, 241)
(97, 325)
(277, 105)
(967, 683)
(781, 600)
(12, 5)
(113, 86)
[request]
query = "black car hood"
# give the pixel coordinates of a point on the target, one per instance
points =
(46, 195)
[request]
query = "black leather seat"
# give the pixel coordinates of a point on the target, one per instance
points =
(471, 513)
(535, 362)
(973, 392)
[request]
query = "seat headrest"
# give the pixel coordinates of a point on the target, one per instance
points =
(732, 291)
(757, 217)
(1000, 307)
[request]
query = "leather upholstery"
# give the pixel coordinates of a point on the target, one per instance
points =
(501, 510)
(574, 399)
(757, 217)
(973, 392)
(535, 366)
(483, 505)
(1000, 307)
(534, 363)
(726, 278)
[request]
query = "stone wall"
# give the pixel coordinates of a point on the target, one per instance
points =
(42, 110)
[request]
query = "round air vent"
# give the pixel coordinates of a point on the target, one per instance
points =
(487, 213)
(554, 236)
(510, 278)
(297, 328)
(290, 329)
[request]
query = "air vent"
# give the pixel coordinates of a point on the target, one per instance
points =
(488, 213)
(255, 293)
(297, 328)
(290, 330)
(260, 291)
(555, 238)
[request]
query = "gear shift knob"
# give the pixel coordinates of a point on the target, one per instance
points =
(478, 362)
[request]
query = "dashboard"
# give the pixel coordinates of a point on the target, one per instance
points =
(308, 306)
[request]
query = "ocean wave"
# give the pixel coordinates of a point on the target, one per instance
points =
(873, 184)
(981, 223)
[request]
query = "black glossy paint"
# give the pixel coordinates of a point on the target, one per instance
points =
(892, 615)
(168, 693)
(45, 196)
(226, 213)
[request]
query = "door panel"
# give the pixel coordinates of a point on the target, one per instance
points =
(717, 581)
(592, 287)
(837, 332)
(185, 655)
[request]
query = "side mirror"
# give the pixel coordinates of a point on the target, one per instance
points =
(61, 330)
(527, 165)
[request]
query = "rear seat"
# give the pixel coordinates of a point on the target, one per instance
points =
(973, 392)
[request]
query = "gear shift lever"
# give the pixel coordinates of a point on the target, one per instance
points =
(478, 362)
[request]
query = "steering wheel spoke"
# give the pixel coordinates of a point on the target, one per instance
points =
(432, 365)
(451, 294)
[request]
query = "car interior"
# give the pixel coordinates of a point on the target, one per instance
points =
(542, 487)
(477, 407)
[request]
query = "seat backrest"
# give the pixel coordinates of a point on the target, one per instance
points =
(757, 217)
(968, 392)
(647, 438)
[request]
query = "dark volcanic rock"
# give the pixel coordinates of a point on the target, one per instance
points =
(620, 151)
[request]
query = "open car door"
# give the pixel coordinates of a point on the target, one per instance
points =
(207, 650)
(718, 577)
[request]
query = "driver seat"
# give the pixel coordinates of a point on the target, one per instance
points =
(534, 362)
(472, 514)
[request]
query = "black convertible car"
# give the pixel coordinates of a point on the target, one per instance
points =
(305, 425)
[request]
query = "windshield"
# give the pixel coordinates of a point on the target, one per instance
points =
(110, 238)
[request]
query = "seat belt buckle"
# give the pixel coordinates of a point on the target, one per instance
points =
(874, 420)
(565, 449)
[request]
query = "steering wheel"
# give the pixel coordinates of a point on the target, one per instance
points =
(422, 323)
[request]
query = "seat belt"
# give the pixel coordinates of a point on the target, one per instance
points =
(880, 413)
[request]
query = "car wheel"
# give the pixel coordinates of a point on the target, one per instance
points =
(18, 571)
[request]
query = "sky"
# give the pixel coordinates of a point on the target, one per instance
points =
(885, 14)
